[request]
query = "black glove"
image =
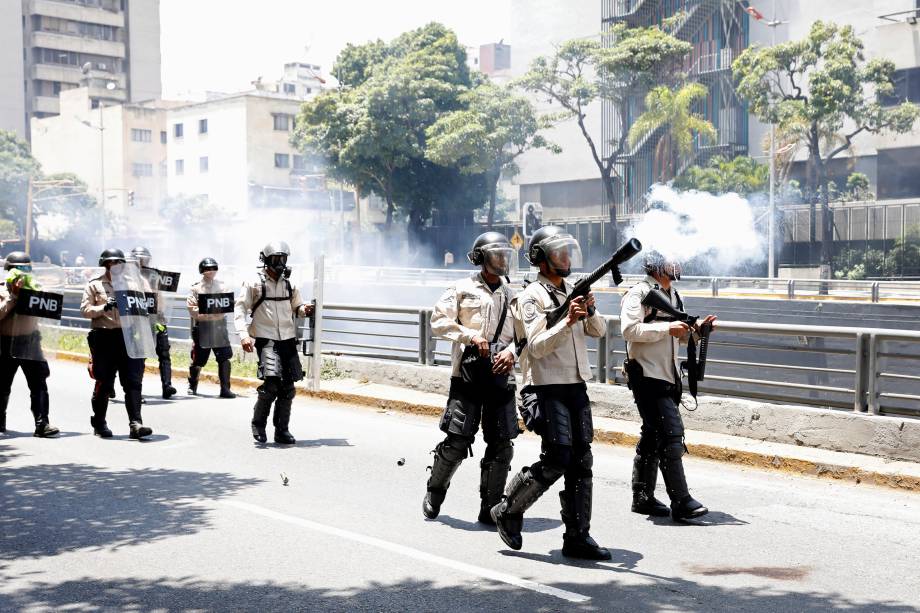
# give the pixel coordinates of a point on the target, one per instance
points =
(109, 304)
(617, 276)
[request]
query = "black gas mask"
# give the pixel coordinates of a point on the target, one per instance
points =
(278, 265)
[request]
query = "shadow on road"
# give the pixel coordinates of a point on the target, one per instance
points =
(48, 509)
(623, 558)
(531, 524)
(181, 594)
(319, 442)
(713, 518)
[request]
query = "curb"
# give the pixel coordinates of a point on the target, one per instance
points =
(710, 452)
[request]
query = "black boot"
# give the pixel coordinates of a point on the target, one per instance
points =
(135, 422)
(100, 404)
(40, 412)
(683, 506)
(193, 372)
(523, 491)
(281, 420)
(644, 476)
(260, 419)
(4, 400)
(166, 379)
(223, 373)
(447, 459)
(492, 481)
(576, 515)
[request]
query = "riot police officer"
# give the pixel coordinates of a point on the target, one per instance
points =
(35, 370)
(556, 373)
(475, 314)
(273, 302)
(110, 356)
(209, 331)
(653, 371)
(158, 320)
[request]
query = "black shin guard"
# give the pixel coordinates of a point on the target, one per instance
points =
(447, 458)
(523, 491)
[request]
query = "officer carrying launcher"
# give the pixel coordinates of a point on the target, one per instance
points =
(273, 302)
(119, 340)
(209, 302)
(556, 371)
(474, 314)
(654, 375)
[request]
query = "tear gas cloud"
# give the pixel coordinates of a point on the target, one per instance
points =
(717, 231)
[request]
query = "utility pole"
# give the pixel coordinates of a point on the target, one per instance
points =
(28, 241)
(771, 248)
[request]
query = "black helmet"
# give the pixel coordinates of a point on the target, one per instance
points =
(548, 244)
(110, 256)
(492, 250)
(656, 263)
(18, 259)
(142, 255)
(207, 264)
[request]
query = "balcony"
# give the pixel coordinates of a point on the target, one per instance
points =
(109, 16)
(46, 104)
(79, 44)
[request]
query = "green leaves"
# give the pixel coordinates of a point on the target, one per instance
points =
(742, 175)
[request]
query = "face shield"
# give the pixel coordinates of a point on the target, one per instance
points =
(496, 258)
(562, 254)
(20, 267)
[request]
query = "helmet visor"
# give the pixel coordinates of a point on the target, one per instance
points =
(563, 253)
(497, 258)
(20, 267)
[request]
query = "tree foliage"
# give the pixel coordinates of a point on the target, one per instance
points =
(823, 86)
(582, 71)
(742, 175)
(494, 127)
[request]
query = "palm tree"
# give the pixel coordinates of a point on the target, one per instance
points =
(672, 109)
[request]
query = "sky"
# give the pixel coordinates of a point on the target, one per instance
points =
(224, 45)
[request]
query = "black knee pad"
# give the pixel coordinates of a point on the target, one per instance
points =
(501, 452)
(287, 392)
(553, 463)
(455, 448)
(269, 389)
(673, 449)
(582, 463)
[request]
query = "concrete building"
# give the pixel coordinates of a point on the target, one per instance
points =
(50, 46)
(119, 150)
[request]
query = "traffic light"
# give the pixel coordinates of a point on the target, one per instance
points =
(130, 198)
(532, 218)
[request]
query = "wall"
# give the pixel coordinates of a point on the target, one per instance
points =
(12, 98)
(143, 19)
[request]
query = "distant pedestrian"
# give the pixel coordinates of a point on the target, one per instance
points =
(448, 259)
(80, 261)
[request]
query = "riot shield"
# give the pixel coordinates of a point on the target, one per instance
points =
(135, 303)
(215, 316)
(40, 303)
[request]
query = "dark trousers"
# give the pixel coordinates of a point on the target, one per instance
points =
(200, 355)
(35, 371)
(567, 432)
(662, 426)
(279, 369)
(110, 359)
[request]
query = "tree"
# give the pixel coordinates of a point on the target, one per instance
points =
(582, 71)
(825, 84)
(672, 110)
(495, 128)
(17, 167)
(372, 131)
(742, 175)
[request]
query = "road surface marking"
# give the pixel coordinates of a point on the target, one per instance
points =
(411, 553)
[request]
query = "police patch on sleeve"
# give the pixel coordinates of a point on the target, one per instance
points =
(529, 310)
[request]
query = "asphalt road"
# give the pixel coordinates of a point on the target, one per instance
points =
(197, 518)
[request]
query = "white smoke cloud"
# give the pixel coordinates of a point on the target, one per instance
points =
(686, 225)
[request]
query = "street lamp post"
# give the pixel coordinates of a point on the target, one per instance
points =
(771, 248)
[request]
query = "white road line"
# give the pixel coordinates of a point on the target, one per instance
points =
(412, 553)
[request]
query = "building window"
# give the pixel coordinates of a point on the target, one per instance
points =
(163, 136)
(282, 160)
(163, 168)
(290, 88)
(203, 164)
(906, 87)
(142, 169)
(202, 126)
(177, 130)
(141, 136)
(282, 121)
(180, 167)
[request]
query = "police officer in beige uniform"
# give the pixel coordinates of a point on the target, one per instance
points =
(158, 321)
(473, 313)
(35, 371)
(557, 369)
(273, 303)
(652, 346)
(109, 353)
(199, 355)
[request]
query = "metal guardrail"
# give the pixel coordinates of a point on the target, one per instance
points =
(867, 370)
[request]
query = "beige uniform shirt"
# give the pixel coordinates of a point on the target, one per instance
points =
(204, 287)
(27, 325)
(556, 355)
(95, 295)
(650, 344)
(467, 309)
(274, 319)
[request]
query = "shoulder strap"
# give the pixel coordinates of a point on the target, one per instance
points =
(552, 296)
(506, 303)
